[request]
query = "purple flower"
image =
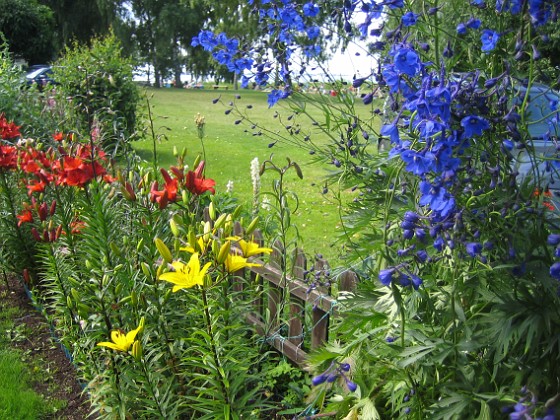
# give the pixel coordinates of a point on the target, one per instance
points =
(489, 40)
(319, 379)
(351, 385)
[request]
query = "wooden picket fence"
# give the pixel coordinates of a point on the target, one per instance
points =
(288, 314)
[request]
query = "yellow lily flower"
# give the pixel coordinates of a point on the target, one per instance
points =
(250, 248)
(237, 262)
(122, 341)
(187, 275)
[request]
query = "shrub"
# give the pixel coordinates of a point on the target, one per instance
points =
(98, 82)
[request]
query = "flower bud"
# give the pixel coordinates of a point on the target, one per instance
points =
(137, 351)
(224, 252)
(163, 250)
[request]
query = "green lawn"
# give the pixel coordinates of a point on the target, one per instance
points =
(230, 148)
(17, 398)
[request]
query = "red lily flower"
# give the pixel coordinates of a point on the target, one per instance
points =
(197, 184)
(8, 157)
(25, 216)
(8, 130)
(169, 192)
(58, 136)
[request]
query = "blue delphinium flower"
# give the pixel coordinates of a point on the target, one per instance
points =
(474, 126)
(409, 19)
(511, 6)
(311, 9)
(489, 39)
(275, 95)
(437, 198)
(540, 11)
(473, 248)
(461, 28)
(473, 23)
(386, 276)
(206, 40)
(555, 270)
(391, 131)
(407, 61)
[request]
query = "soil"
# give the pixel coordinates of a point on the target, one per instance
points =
(59, 378)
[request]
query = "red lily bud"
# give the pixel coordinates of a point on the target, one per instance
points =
(36, 234)
(128, 188)
(53, 208)
(42, 212)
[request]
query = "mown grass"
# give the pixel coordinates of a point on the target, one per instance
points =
(17, 398)
(230, 148)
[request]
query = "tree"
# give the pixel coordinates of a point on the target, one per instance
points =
(81, 20)
(27, 27)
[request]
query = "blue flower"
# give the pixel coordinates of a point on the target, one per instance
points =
(437, 198)
(386, 276)
(473, 248)
(205, 39)
(540, 11)
(461, 29)
(555, 270)
(407, 61)
(553, 239)
(313, 32)
(311, 9)
(473, 23)
(489, 40)
(474, 125)
(275, 95)
(409, 19)
(391, 131)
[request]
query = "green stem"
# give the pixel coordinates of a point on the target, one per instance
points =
(209, 330)
(151, 389)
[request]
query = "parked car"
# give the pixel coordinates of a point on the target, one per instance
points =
(40, 76)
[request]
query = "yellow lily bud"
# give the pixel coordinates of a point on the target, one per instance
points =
(118, 289)
(252, 225)
(146, 269)
(221, 220)
(224, 251)
(174, 228)
(196, 161)
(120, 177)
(137, 351)
(133, 298)
(163, 250)
(192, 241)
(175, 151)
(236, 212)
(212, 211)
(184, 197)
(140, 244)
